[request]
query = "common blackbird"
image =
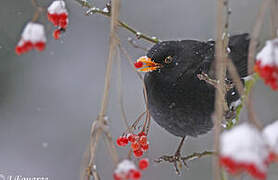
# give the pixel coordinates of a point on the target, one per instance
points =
(178, 100)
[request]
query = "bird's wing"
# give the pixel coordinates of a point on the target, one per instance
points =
(237, 50)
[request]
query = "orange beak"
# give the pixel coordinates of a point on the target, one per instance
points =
(145, 64)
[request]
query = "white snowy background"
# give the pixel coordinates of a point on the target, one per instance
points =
(48, 100)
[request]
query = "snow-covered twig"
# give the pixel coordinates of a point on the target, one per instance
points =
(94, 10)
(251, 58)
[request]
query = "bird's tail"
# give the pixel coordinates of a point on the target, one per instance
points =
(238, 47)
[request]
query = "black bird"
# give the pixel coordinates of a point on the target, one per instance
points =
(178, 100)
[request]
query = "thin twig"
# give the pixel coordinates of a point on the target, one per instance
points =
(94, 10)
(146, 124)
(251, 58)
(197, 155)
(120, 91)
(39, 10)
(255, 35)
(98, 126)
(274, 18)
(235, 77)
(84, 175)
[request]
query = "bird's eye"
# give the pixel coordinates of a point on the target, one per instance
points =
(168, 60)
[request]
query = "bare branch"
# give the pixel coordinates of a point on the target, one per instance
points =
(99, 125)
(274, 18)
(94, 10)
(251, 58)
(255, 35)
(220, 66)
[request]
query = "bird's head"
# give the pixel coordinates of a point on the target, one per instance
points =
(164, 58)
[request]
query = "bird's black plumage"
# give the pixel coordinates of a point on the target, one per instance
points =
(178, 100)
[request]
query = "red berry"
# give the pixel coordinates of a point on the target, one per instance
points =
(272, 157)
(55, 19)
(143, 140)
(143, 164)
(56, 34)
(138, 153)
(117, 177)
(40, 46)
(63, 16)
(142, 134)
(119, 141)
(131, 137)
(138, 64)
(145, 147)
(18, 50)
(27, 46)
(63, 24)
(124, 141)
(135, 146)
(135, 174)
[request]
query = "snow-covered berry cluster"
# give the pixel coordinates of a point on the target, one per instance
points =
(58, 15)
(267, 63)
(126, 170)
(244, 148)
(33, 36)
(139, 143)
(270, 133)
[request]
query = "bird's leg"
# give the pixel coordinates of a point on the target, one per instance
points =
(177, 159)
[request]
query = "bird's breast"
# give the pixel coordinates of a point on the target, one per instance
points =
(182, 107)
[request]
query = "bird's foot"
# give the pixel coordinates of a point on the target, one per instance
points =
(178, 160)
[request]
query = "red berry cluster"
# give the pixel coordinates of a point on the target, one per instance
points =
(59, 20)
(25, 46)
(139, 143)
(269, 73)
(127, 170)
(237, 167)
(58, 15)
